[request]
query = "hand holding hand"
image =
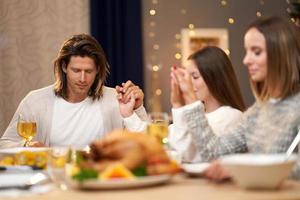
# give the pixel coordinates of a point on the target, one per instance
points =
(127, 89)
(126, 108)
(130, 97)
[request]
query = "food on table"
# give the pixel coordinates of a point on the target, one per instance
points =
(36, 159)
(125, 154)
(7, 161)
(116, 171)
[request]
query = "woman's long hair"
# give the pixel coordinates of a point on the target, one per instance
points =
(283, 59)
(219, 76)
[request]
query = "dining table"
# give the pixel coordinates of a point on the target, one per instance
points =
(180, 187)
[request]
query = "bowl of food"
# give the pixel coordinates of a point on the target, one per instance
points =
(259, 171)
(121, 160)
(29, 156)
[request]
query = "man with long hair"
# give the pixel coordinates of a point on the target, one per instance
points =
(78, 108)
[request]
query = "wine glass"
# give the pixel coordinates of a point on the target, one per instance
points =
(57, 161)
(158, 126)
(26, 129)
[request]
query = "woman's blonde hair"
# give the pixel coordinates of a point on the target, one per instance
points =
(283, 59)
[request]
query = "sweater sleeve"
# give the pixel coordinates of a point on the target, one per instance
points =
(141, 113)
(205, 144)
(193, 137)
(191, 124)
(134, 123)
(179, 137)
(137, 121)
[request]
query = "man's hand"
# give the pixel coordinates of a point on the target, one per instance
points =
(127, 89)
(126, 109)
(130, 97)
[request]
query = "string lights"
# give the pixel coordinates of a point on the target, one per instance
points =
(223, 2)
(294, 11)
(230, 20)
(154, 65)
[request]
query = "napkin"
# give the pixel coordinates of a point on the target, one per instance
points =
(9, 178)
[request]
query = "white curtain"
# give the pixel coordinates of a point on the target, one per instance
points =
(31, 33)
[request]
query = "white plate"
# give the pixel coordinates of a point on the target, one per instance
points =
(15, 168)
(20, 179)
(195, 168)
(20, 149)
(9, 179)
(121, 183)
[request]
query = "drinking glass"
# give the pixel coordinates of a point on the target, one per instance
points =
(158, 126)
(57, 160)
(26, 129)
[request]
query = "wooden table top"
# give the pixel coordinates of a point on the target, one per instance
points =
(180, 188)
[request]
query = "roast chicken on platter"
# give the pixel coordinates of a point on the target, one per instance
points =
(132, 150)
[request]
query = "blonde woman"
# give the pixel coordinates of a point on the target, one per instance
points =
(272, 47)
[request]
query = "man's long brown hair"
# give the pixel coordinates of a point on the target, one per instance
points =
(80, 45)
(218, 74)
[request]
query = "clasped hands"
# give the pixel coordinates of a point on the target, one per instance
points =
(182, 92)
(130, 97)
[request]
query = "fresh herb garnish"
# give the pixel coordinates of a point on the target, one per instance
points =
(85, 174)
(79, 157)
(140, 171)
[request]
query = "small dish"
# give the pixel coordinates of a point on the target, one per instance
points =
(195, 169)
(30, 156)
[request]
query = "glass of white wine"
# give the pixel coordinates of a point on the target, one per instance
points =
(158, 126)
(26, 129)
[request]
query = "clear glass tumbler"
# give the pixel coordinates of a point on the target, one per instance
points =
(57, 160)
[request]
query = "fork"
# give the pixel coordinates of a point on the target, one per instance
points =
(293, 145)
